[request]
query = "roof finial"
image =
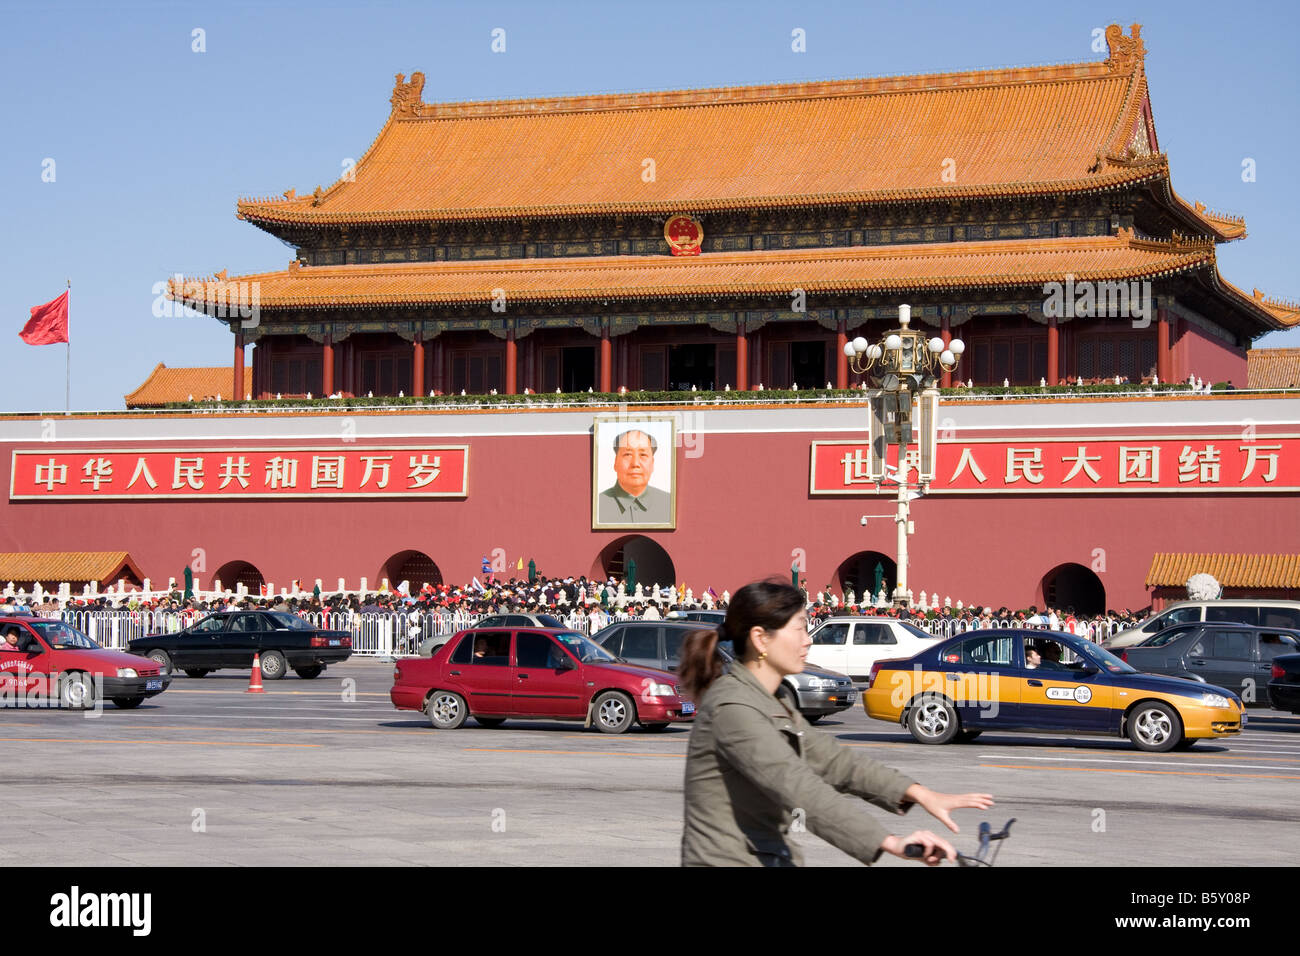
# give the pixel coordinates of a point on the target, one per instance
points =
(406, 96)
(1126, 52)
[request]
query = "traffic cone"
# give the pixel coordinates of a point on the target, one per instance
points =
(255, 678)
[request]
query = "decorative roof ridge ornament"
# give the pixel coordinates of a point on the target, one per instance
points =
(406, 96)
(1126, 52)
(1284, 304)
(1219, 216)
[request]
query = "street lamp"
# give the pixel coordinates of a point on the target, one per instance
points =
(904, 352)
(902, 365)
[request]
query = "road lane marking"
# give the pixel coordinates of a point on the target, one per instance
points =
(185, 743)
(1136, 760)
(1177, 773)
(576, 753)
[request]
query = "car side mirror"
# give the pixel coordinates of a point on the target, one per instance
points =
(1087, 670)
(566, 664)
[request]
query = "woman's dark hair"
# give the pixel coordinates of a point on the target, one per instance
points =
(767, 604)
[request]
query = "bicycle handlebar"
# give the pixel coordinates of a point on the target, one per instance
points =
(983, 857)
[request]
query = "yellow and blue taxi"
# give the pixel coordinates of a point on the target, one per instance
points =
(1046, 681)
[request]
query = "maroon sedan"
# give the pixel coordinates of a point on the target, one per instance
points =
(538, 674)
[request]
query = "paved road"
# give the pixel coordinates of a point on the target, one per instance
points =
(327, 772)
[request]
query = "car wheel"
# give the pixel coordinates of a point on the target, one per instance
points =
(196, 672)
(1155, 727)
(163, 660)
(127, 703)
(932, 720)
(654, 728)
(446, 710)
(309, 673)
(77, 691)
(489, 721)
(966, 736)
(272, 665)
(613, 712)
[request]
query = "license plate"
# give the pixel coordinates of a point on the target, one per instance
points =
(688, 708)
(1243, 721)
(851, 696)
(335, 643)
(153, 684)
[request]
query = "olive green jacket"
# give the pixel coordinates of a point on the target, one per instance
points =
(752, 760)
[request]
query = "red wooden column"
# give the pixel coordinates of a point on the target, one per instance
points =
(1053, 351)
(327, 365)
(841, 360)
(439, 383)
(417, 364)
(512, 360)
(606, 357)
(239, 364)
(1164, 356)
(742, 357)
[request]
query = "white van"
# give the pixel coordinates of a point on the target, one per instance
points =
(851, 644)
(1259, 612)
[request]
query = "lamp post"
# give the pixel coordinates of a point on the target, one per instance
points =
(904, 365)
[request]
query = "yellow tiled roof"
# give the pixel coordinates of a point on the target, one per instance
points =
(853, 269)
(1025, 131)
(1273, 368)
(1230, 570)
(166, 385)
(51, 568)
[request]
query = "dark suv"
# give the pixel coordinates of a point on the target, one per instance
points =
(1235, 656)
(817, 693)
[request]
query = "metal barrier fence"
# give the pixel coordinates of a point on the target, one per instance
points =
(387, 634)
(381, 634)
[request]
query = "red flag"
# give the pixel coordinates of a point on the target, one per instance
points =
(48, 324)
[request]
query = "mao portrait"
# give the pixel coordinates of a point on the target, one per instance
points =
(633, 474)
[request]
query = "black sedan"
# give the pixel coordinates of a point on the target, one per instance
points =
(230, 639)
(1284, 685)
(816, 692)
(1235, 656)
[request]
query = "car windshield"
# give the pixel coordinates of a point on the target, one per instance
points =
(916, 631)
(283, 619)
(62, 637)
(1107, 660)
(585, 649)
(546, 620)
(1164, 637)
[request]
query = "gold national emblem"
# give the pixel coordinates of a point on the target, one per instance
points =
(684, 235)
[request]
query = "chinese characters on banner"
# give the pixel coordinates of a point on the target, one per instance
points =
(427, 472)
(1077, 466)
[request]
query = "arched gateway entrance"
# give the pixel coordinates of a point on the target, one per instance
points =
(1073, 585)
(653, 565)
(415, 567)
(861, 572)
(234, 573)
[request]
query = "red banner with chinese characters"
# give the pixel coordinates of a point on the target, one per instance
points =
(1113, 466)
(425, 472)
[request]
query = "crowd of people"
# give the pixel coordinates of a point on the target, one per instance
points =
(594, 603)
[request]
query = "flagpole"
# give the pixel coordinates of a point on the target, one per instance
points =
(67, 360)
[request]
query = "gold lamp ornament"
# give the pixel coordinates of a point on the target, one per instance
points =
(904, 356)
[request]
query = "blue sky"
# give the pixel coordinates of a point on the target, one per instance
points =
(153, 143)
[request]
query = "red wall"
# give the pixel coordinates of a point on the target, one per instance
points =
(1210, 359)
(743, 508)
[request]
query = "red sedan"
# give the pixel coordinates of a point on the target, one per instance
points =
(48, 662)
(538, 674)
